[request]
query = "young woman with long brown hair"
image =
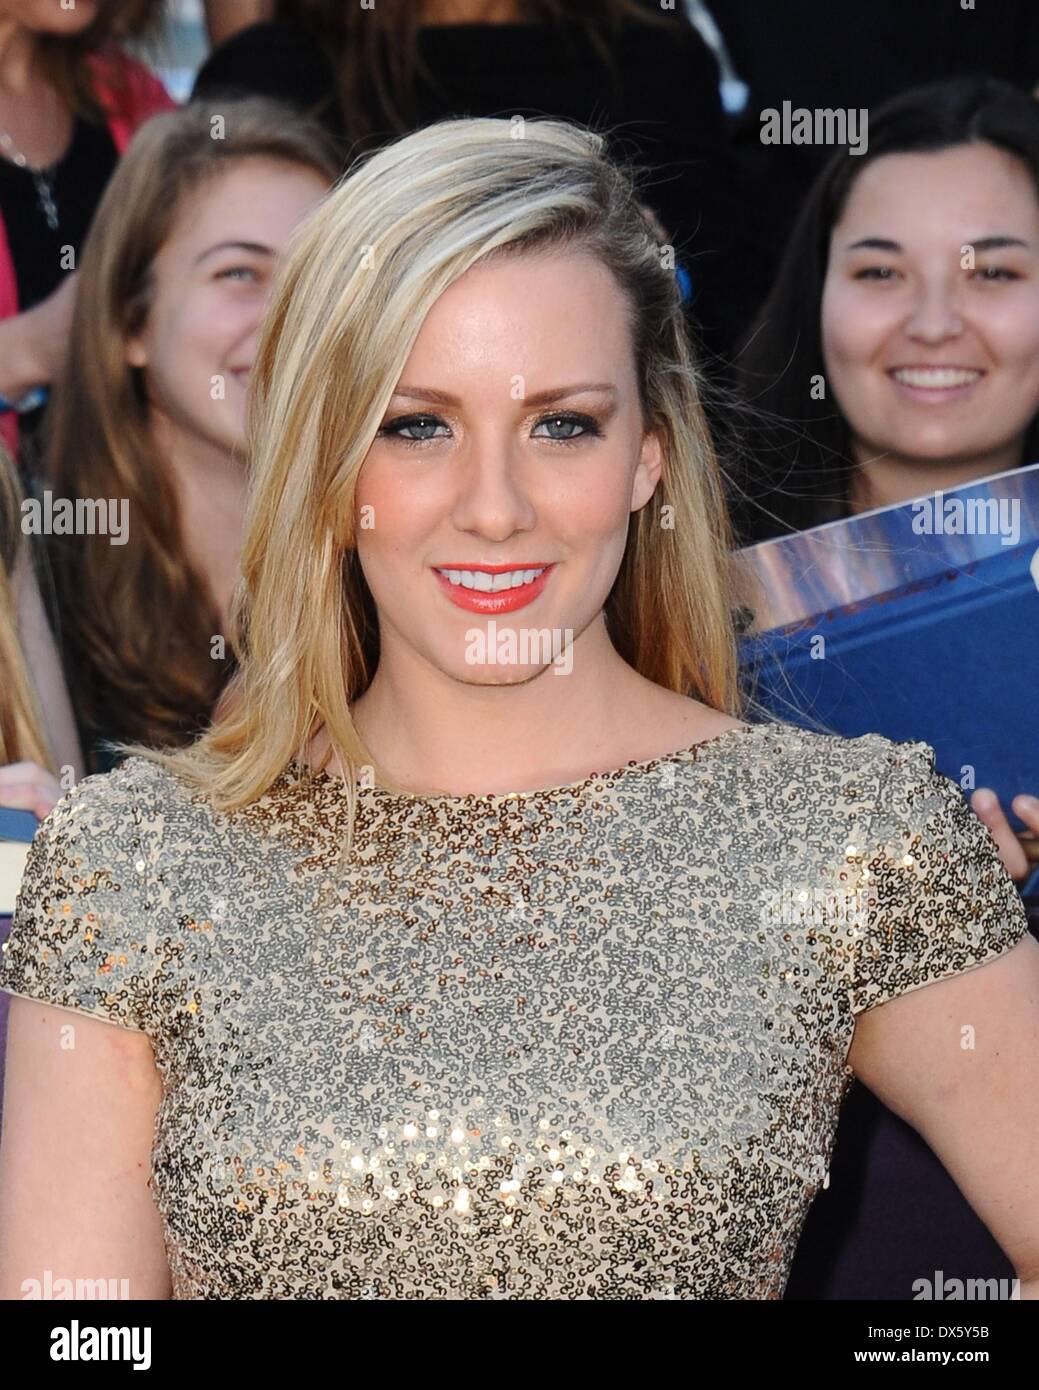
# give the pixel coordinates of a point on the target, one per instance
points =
(149, 411)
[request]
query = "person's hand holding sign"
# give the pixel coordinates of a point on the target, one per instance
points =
(1019, 852)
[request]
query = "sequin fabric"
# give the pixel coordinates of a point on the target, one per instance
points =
(581, 1043)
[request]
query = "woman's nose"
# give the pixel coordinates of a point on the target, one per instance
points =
(935, 314)
(493, 496)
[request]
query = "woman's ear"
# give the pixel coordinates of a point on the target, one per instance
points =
(136, 351)
(647, 472)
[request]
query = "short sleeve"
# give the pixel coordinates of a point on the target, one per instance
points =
(78, 938)
(936, 898)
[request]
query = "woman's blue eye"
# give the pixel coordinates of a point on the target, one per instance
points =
(421, 427)
(236, 270)
(583, 424)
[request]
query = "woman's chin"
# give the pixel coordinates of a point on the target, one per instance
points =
(496, 675)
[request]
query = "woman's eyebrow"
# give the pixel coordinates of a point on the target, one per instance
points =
(428, 393)
(254, 247)
(984, 243)
(874, 243)
(997, 243)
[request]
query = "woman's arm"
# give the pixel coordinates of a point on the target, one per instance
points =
(33, 343)
(80, 1102)
(19, 369)
(959, 1060)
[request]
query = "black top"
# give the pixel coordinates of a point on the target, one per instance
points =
(78, 181)
(814, 53)
(657, 101)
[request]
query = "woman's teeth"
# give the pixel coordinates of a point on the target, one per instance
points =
(491, 583)
(936, 378)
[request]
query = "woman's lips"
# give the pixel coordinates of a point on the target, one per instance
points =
(505, 601)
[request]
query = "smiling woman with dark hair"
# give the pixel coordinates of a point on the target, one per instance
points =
(898, 355)
(914, 260)
(439, 967)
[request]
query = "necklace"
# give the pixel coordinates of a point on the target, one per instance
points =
(41, 177)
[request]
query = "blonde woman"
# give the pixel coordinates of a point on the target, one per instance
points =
(448, 964)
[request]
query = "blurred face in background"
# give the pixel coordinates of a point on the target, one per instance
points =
(211, 282)
(930, 312)
(50, 16)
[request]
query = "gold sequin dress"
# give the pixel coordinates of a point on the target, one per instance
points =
(577, 1043)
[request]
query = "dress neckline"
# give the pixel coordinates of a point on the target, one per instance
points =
(690, 753)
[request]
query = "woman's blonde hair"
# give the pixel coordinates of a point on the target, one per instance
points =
(156, 679)
(348, 303)
(22, 736)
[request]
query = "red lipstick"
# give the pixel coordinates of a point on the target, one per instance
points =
(491, 604)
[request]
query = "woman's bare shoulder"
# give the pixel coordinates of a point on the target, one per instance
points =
(688, 721)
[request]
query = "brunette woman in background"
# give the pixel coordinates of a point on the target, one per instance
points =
(150, 409)
(931, 365)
